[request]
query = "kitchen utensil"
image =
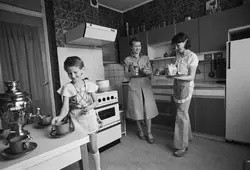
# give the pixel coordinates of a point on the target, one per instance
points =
(198, 71)
(211, 73)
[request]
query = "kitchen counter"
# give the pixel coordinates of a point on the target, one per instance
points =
(51, 153)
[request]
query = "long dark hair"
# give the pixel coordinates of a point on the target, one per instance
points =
(181, 37)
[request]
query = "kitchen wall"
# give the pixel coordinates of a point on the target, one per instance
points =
(158, 11)
(62, 15)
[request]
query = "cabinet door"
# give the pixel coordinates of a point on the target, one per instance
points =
(192, 114)
(125, 96)
(213, 29)
(166, 117)
(210, 116)
(109, 53)
(160, 35)
(191, 29)
(239, 16)
(124, 48)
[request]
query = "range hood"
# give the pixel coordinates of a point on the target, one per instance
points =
(90, 35)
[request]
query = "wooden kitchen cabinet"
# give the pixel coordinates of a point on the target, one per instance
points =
(160, 35)
(213, 29)
(191, 28)
(124, 48)
(210, 116)
(125, 96)
(109, 53)
(166, 117)
(192, 113)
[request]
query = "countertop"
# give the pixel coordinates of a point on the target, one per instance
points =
(198, 84)
(47, 149)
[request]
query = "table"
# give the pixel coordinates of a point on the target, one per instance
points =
(51, 153)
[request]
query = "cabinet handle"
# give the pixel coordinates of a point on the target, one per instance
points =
(228, 55)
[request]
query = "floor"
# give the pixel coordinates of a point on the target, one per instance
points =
(204, 154)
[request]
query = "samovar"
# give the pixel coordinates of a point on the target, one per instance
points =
(14, 109)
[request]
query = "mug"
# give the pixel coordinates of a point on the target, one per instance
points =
(19, 144)
(61, 128)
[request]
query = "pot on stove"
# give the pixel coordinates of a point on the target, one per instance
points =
(103, 85)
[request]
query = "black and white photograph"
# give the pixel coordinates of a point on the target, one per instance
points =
(124, 85)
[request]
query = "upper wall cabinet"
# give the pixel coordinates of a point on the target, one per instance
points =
(109, 53)
(213, 29)
(124, 48)
(33, 5)
(191, 28)
(160, 35)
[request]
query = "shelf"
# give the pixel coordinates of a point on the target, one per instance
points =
(166, 58)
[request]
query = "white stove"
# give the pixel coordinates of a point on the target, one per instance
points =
(108, 111)
(105, 98)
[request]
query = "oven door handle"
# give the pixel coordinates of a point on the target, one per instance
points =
(107, 106)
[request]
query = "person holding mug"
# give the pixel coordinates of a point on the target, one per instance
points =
(186, 63)
(141, 104)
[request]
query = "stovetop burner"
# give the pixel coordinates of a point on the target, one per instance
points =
(107, 97)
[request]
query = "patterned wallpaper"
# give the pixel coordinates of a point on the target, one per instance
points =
(62, 15)
(71, 13)
(66, 14)
(158, 11)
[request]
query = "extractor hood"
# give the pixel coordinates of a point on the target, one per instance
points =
(90, 35)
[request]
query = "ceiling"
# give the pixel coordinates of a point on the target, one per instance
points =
(122, 5)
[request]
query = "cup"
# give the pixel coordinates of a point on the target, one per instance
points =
(136, 69)
(19, 144)
(61, 128)
(45, 120)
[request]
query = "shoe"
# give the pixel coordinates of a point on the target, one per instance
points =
(141, 135)
(181, 152)
(150, 138)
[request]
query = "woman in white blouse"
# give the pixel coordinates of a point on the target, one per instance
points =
(186, 62)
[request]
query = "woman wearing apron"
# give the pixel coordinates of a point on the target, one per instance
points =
(141, 103)
(186, 62)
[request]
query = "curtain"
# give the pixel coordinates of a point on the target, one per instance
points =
(21, 60)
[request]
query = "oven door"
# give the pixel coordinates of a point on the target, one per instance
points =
(108, 113)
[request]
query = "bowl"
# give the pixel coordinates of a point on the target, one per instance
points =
(62, 128)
